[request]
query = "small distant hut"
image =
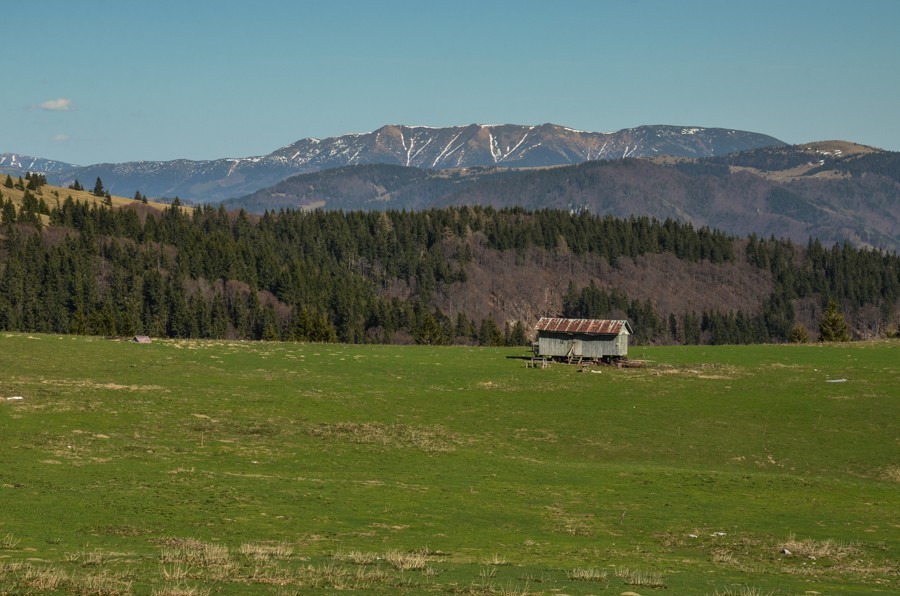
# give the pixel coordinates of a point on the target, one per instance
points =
(141, 339)
(575, 340)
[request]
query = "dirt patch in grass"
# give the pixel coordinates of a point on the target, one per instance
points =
(425, 438)
(710, 371)
(891, 474)
(94, 385)
(573, 524)
(806, 557)
(537, 435)
(493, 386)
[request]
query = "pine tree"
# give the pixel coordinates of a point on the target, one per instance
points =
(429, 331)
(832, 326)
(517, 336)
(798, 335)
(489, 333)
(7, 212)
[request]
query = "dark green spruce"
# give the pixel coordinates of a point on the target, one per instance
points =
(376, 276)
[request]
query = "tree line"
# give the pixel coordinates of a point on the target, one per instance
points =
(75, 267)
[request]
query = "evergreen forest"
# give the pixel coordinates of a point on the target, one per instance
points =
(88, 268)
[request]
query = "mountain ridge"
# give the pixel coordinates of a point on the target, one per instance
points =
(510, 145)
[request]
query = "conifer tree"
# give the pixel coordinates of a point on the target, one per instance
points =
(7, 212)
(489, 333)
(798, 335)
(832, 326)
(517, 335)
(429, 331)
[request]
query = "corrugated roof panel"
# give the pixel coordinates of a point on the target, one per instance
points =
(582, 326)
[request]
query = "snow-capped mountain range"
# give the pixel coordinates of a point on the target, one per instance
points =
(504, 145)
(16, 164)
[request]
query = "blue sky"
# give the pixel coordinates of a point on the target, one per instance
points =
(109, 81)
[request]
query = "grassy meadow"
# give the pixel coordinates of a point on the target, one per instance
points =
(53, 194)
(237, 468)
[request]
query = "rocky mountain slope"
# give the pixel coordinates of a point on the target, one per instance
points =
(505, 145)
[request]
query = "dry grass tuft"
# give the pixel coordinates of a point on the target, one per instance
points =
(194, 552)
(86, 558)
(181, 590)
(176, 572)
(722, 556)
(28, 578)
(487, 572)
(821, 549)
(329, 576)
(266, 552)
(266, 574)
(8, 542)
(426, 438)
(356, 557)
(431, 553)
(105, 582)
(587, 575)
(815, 558)
(742, 590)
(644, 579)
(365, 578)
(497, 560)
(406, 561)
(513, 590)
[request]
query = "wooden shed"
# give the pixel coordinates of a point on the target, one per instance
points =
(575, 340)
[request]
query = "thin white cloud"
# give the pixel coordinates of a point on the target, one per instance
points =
(63, 104)
(61, 138)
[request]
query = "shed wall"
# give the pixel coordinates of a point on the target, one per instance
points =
(591, 346)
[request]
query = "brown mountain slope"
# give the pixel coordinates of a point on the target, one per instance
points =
(511, 286)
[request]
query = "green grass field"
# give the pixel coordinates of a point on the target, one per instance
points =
(232, 467)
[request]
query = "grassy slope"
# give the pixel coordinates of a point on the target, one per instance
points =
(507, 478)
(50, 194)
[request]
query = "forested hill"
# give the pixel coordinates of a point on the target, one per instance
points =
(460, 274)
(816, 191)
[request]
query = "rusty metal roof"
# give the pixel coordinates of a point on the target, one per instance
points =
(583, 326)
